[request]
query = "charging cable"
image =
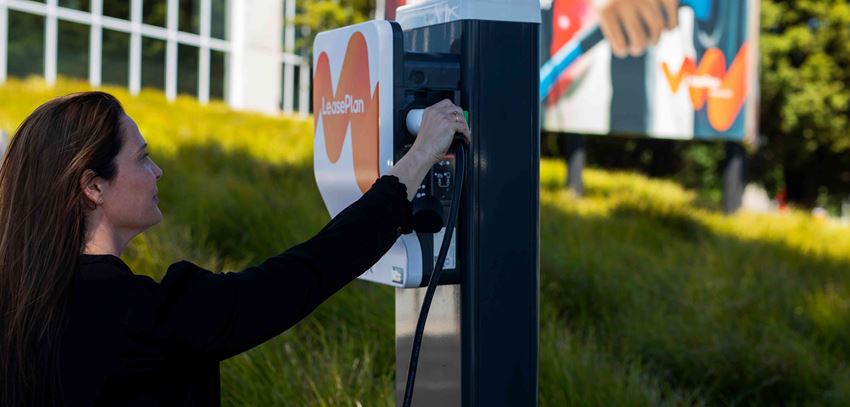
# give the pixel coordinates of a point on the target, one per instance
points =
(459, 147)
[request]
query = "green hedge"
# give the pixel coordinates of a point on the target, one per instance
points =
(646, 297)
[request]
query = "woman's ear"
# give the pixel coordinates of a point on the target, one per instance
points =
(90, 184)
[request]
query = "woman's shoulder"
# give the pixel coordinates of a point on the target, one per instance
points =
(106, 267)
(105, 279)
(106, 286)
(102, 270)
(109, 269)
(102, 262)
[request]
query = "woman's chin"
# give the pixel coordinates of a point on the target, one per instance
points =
(157, 218)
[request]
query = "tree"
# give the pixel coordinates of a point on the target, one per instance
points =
(805, 99)
(315, 16)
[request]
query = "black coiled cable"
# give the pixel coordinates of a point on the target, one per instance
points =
(460, 169)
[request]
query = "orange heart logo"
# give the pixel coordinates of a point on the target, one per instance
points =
(352, 104)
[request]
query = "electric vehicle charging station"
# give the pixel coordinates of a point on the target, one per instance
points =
(480, 346)
(366, 127)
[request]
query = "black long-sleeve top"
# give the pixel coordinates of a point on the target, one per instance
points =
(129, 340)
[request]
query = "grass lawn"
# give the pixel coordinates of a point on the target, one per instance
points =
(647, 296)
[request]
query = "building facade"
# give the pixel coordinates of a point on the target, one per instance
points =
(242, 52)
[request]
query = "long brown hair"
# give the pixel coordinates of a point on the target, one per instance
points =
(42, 233)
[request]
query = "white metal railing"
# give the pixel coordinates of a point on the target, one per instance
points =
(292, 61)
(135, 27)
(171, 34)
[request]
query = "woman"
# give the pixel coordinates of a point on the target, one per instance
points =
(77, 327)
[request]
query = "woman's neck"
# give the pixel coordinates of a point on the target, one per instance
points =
(94, 248)
(102, 238)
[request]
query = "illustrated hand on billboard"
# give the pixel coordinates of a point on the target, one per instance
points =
(631, 26)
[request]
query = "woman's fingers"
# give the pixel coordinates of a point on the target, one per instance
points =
(458, 123)
(454, 114)
(463, 128)
(440, 122)
(467, 135)
(443, 104)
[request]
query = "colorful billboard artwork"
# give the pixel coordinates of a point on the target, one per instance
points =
(697, 81)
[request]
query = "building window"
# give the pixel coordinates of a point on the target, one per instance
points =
(115, 59)
(294, 96)
(190, 16)
(117, 9)
(219, 25)
(296, 101)
(218, 75)
(166, 45)
(25, 49)
(73, 49)
(153, 63)
(154, 12)
(187, 70)
(82, 5)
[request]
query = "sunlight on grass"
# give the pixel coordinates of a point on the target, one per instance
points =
(647, 297)
(167, 126)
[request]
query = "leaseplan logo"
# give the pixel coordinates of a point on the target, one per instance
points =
(352, 104)
(344, 106)
(724, 91)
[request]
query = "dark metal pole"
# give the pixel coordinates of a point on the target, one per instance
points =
(499, 289)
(481, 342)
(575, 154)
(734, 177)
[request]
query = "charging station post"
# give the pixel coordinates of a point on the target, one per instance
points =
(481, 341)
(480, 344)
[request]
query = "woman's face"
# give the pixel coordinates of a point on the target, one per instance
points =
(130, 202)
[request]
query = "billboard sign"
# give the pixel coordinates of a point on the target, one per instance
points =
(695, 81)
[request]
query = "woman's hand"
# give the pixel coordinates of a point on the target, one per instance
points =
(642, 21)
(439, 124)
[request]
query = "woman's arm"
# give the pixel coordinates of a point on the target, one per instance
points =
(410, 171)
(213, 316)
(200, 314)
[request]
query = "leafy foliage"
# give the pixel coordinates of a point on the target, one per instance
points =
(315, 16)
(805, 98)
